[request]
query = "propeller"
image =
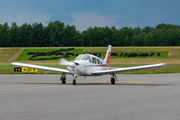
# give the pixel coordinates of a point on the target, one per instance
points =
(63, 61)
(67, 63)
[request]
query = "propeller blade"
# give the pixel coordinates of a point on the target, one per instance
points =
(64, 62)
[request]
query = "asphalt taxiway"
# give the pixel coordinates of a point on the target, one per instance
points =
(137, 97)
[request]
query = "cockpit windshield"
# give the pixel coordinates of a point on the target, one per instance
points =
(84, 57)
(79, 57)
(91, 59)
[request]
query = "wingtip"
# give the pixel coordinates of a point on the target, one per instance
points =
(163, 64)
(14, 63)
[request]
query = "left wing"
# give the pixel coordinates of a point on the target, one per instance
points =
(40, 67)
(119, 70)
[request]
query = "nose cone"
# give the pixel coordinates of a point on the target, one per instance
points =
(72, 65)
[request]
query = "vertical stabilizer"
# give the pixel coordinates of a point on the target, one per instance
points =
(108, 55)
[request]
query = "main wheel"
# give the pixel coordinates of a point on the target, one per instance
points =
(63, 80)
(112, 81)
(74, 82)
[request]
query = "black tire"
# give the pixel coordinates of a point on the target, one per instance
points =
(112, 81)
(74, 82)
(63, 80)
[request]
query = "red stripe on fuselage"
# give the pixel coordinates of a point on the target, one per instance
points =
(97, 66)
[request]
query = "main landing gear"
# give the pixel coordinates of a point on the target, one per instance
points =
(112, 80)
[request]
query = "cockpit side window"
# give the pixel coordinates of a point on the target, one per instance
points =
(98, 61)
(79, 57)
(93, 60)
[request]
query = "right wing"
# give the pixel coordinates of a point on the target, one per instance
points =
(40, 67)
(119, 70)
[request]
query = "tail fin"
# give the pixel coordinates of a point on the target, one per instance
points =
(108, 55)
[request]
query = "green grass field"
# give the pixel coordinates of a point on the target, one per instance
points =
(169, 55)
(25, 57)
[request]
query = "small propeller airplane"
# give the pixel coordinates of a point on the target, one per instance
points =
(89, 65)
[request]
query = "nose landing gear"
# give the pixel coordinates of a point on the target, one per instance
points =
(74, 81)
(63, 79)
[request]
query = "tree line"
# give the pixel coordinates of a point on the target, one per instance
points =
(57, 34)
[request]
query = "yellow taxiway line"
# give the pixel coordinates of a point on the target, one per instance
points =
(156, 79)
(34, 87)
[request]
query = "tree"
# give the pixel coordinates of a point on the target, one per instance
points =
(14, 36)
(2, 36)
(37, 30)
(137, 30)
(52, 31)
(147, 29)
(57, 34)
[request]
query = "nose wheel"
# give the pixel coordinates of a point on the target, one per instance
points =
(74, 82)
(63, 78)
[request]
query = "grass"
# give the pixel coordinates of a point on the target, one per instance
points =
(9, 54)
(172, 54)
(24, 56)
(169, 55)
(164, 54)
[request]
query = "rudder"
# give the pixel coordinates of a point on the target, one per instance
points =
(108, 55)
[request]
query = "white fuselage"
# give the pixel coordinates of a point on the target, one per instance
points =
(84, 67)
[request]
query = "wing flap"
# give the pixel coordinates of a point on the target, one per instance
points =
(40, 67)
(119, 70)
